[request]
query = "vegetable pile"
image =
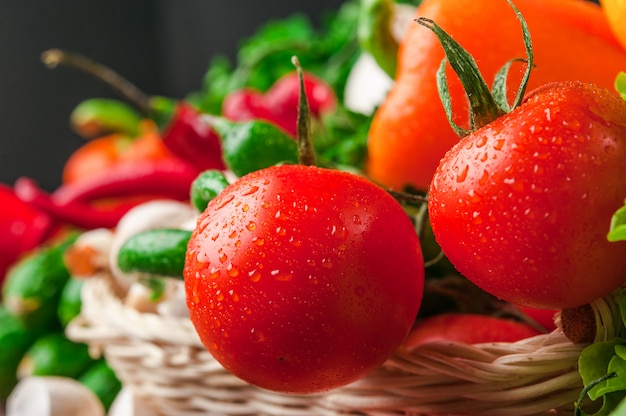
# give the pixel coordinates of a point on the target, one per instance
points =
(481, 200)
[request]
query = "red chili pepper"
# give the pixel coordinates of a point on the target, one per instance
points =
(22, 228)
(169, 178)
(279, 104)
(76, 213)
(189, 138)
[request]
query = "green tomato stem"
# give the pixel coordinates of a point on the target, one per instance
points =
(306, 151)
(485, 105)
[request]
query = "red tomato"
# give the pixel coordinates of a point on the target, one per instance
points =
(468, 329)
(544, 317)
(522, 206)
(302, 279)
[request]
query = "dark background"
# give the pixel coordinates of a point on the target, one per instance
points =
(162, 46)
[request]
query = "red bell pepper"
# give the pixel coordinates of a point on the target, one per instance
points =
(189, 138)
(279, 105)
(22, 228)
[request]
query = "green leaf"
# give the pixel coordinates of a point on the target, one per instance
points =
(617, 383)
(328, 51)
(529, 56)
(617, 228)
(375, 35)
(620, 409)
(594, 362)
(620, 84)
(444, 96)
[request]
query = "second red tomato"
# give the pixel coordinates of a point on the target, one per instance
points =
(302, 279)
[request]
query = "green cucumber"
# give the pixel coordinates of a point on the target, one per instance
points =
(70, 301)
(102, 380)
(33, 286)
(54, 354)
(157, 252)
(15, 340)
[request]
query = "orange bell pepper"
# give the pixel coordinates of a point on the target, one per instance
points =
(410, 133)
(615, 11)
(103, 152)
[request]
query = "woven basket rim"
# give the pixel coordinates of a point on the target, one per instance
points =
(156, 353)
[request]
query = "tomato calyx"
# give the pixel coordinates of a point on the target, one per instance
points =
(485, 105)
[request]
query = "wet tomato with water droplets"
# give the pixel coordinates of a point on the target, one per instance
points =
(522, 205)
(301, 279)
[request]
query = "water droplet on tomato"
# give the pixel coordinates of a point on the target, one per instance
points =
(327, 263)
(498, 144)
(223, 257)
(254, 275)
(233, 234)
(281, 231)
(481, 141)
(250, 190)
(474, 197)
(357, 220)
(282, 276)
(251, 226)
(258, 241)
(483, 178)
(462, 175)
(232, 270)
(257, 336)
(245, 208)
(222, 202)
(294, 242)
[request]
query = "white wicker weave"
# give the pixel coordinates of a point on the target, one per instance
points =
(164, 361)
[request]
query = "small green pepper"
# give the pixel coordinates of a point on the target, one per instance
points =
(158, 252)
(33, 286)
(206, 187)
(253, 145)
(97, 117)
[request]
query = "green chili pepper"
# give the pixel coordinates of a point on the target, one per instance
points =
(253, 145)
(97, 117)
(158, 252)
(34, 285)
(206, 187)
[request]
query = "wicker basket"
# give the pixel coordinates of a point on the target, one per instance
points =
(167, 367)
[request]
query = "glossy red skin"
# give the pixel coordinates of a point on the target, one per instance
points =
(544, 317)
(468, 329)
(522, 206)
(191, 139)
(301, 279)
(22, 228)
